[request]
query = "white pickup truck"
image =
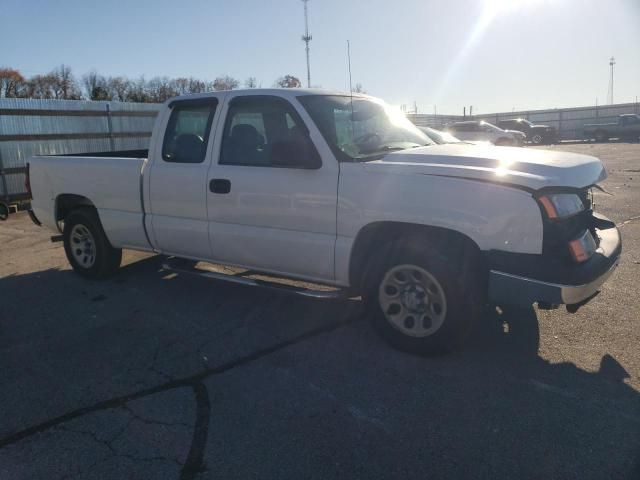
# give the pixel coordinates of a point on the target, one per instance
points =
(340, 191)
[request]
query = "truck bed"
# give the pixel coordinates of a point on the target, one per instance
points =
(115, 154)
(110, 180)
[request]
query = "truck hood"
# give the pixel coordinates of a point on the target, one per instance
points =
(541, 127)
(524, 167)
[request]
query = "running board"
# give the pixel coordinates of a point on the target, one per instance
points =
(239, 279)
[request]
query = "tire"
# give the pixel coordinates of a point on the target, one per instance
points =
(601, 136)
(4, 211)
(87, 247)
(423, 299)
(503, 142)
(537, 139)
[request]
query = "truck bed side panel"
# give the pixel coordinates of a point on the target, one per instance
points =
(112, 184)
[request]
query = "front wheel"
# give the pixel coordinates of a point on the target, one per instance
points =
(601, 136)
(87, 247)
(424, 301)
(536, 139)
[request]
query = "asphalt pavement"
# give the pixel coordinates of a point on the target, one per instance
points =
(152, 375)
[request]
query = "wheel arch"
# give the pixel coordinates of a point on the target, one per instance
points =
(383, 235)
(66, 202)
(603, 133)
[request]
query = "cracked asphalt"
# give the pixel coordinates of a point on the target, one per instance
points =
(153, 376)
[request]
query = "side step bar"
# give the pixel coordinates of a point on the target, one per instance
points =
(238, 278)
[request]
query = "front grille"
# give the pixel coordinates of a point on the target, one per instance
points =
(586, 196)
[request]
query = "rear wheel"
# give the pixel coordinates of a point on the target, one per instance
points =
(601, 136)
(87, 247)
(536, 139)
(422, 300)
(503, 142)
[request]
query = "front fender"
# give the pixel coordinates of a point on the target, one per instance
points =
(494, 216)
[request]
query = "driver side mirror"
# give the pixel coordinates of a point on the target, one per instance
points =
(295, 154)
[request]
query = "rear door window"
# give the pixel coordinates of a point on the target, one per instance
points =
(187, 133)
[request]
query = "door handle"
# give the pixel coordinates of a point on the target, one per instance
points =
(220, 185)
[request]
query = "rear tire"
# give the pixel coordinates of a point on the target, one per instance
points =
(601, 136)
(424, 299)
(87, 247)
(536, 139)
(503, 142)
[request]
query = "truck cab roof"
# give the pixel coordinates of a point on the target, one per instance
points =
(278, 92)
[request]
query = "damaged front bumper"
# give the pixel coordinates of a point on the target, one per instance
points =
(553, 283)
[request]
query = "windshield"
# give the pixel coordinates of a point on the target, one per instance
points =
(490, 126)
(364, 130)
(439, 136)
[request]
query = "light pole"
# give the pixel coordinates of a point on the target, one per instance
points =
(612, 62)
(306, 38)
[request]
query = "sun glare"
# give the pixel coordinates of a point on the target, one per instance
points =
(497, 7)
(491, 9)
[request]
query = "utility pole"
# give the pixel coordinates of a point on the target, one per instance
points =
(306, 38)
(612, 62)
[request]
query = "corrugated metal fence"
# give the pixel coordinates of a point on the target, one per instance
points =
(568, 122)
(51, 127)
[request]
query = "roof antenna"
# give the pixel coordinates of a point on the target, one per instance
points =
(350, 84)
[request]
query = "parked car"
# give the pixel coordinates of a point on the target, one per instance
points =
(440, 137)
(627, 127)
(341, 191)
(474, 130)
(536, 134)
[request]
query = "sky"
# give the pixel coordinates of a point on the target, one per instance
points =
(497, 55)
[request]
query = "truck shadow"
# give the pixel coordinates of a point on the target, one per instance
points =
(499, 367)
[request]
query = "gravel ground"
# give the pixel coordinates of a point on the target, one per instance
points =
(149, 375)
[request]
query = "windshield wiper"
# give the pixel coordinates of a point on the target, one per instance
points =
(381, 151)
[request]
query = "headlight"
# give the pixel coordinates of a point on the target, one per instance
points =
(561, 205)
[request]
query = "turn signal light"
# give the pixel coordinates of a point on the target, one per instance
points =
(582, 248)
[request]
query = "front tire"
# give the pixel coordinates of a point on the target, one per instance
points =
(601, 136)
(504, 142)
(87, 247)
(424, 300)
(537, 139)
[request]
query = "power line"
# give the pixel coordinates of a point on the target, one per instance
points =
(306, 38)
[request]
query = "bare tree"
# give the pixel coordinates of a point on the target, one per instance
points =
(160, 89)
(138, 92)
(61, 84)
(11, 83)
(288, 81)
(197, 86)
(251, 82)
(118, 88)
(64, 85)
(96, 87)
(358, 88)
(41, 86)
(225, 83)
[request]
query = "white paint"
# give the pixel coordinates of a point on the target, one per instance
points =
(303, 223)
